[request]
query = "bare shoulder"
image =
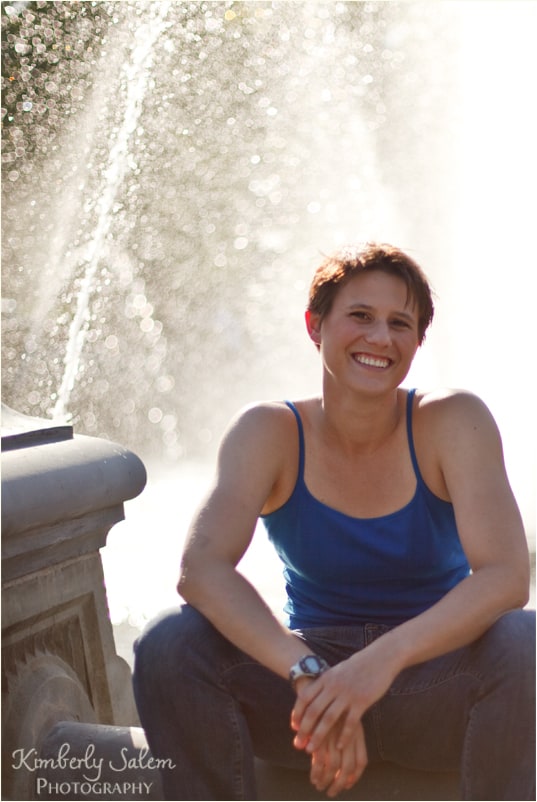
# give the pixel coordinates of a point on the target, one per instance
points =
(458, 424)
(260, 452)
(453, 410)
(262, 422)
(259, 439)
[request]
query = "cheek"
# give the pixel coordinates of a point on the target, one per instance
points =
(410, 351)
(410, 342)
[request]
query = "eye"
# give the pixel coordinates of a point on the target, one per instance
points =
(359, 315)
(401, 324)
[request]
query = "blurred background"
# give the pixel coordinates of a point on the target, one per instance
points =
(174, 171)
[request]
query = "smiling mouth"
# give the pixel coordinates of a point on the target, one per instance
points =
(373, 361)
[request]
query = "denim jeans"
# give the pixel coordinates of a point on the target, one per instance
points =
(207, 708)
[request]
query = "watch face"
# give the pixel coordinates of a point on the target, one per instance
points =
(310, 663)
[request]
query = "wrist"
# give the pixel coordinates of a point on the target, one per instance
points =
(392, 650)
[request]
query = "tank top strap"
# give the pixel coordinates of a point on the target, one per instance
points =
(409, 404)
(301, 445)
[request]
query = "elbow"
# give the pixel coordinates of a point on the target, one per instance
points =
(518, 599)
(520, 587)
(196, 578)
(186, 584)
(508, 586)
(522, 597)
(180, 587)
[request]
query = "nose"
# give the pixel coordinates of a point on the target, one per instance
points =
(379, 333)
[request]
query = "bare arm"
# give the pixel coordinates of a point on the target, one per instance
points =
(249, 467)
(491, 532)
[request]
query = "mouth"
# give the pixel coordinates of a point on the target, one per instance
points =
(379, 362)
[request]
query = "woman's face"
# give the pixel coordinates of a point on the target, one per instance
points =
(370, 336)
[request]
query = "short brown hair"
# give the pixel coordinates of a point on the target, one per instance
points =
(349, 261)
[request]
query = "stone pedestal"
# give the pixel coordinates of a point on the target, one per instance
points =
(379, 782)
(61, 494)
(116, 762)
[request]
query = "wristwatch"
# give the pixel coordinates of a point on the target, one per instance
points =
(311, 665)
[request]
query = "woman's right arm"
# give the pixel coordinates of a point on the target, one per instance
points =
(250, 464)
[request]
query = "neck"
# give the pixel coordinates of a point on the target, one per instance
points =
(361, 422)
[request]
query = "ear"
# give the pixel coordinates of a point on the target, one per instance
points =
(313, 325)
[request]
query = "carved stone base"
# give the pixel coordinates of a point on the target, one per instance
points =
(380, 782)
(40, 691)
(60, 497)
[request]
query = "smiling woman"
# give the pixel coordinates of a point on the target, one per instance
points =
(378, 305)
(350, 261)
(371, 325)
(405, 563)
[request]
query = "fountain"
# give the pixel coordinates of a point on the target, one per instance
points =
(171, 173)
(190, 186)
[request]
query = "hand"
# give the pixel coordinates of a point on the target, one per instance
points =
(341, 695)
(334, 770)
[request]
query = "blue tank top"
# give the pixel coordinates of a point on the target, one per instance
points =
(344, 570)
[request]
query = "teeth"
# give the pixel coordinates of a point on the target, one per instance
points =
(376, 362)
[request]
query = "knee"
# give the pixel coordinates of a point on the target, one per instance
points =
(175, 643)
(165, 642)
(149, 650)
(147, 645)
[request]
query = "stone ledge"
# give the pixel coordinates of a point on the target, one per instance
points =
(57, 482)
(125, 748)
(116, 764)
(379, 782)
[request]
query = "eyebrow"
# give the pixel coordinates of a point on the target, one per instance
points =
(370, 308)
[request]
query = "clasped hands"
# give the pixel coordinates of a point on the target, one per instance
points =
(327, 719)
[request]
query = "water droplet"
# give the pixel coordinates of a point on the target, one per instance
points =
(155, 415)
(111, 342)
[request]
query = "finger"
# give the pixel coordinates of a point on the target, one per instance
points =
(320, 775)
(361, 749)
(353, 763)
(302, 739)
(318, 729)
(348, 775)
(325, 763)
(307, 692)
(312, 717)
(350, 724)
(360, 758)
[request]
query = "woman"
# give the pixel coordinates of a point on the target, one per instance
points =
(406, 565)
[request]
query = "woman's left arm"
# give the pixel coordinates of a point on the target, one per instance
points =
(470, 457)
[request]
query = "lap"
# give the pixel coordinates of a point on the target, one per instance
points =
(425, 715)
(428, 704)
